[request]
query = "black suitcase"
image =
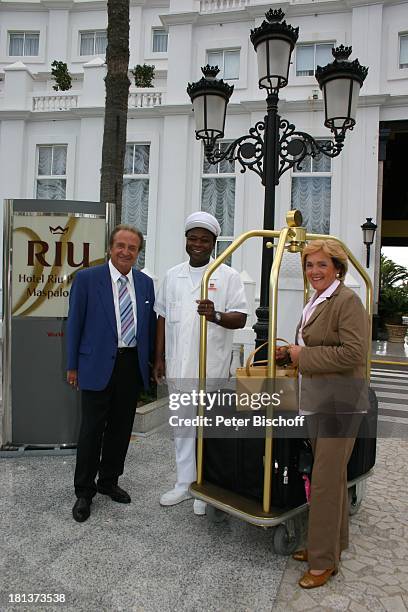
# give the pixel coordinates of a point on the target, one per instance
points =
(364, 452)
(237, 464)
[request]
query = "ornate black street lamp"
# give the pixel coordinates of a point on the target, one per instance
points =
(369, 229)
(273, 146)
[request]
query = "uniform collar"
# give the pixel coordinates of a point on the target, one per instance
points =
(185, 270)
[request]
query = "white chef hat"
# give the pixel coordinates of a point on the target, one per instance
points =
(205, 220)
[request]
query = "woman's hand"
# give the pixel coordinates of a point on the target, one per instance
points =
(294, 350)
(282, 355)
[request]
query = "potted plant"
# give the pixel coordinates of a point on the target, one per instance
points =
(393, 302)
(63, 80)
(144, 75)
(392, 307)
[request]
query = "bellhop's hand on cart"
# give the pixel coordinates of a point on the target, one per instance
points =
(206, 308)
(228, 320)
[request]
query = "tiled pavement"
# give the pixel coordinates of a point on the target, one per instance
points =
(145, 558)
(374, 571)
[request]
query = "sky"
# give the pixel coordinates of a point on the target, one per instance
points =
(398, 254)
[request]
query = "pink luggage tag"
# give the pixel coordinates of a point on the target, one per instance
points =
(307, 487)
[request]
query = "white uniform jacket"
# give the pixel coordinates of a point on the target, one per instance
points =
(176, 302)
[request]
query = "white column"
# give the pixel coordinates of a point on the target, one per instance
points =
(57, 36)
(172, 196)
(179, 73)
(12, 166)
(17, 87)
(12, 155)
(93, 90)
(89, 159)
(366, 33)
(360, 180)
(135, 36)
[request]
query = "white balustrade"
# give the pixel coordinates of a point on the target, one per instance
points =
(58, 102)
(214, 6)
(145, 99)
(54, 102)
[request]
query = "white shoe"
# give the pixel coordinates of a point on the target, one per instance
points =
(173, 497)
(199, 507)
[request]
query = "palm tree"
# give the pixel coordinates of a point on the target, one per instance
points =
(393, 302)
(116, 104)
(391, 273)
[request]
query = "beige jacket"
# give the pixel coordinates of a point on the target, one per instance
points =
(333, 360)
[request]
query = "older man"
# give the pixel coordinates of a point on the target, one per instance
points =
(111, 329)
(177, 341)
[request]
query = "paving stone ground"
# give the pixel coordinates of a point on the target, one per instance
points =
(374, 570)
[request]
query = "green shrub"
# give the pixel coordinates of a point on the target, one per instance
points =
(144, 75)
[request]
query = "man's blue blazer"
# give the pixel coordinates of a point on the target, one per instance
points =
(92, 333)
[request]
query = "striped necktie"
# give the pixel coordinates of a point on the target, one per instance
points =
(127, 322)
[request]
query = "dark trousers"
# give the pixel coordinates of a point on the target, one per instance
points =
(106, 426)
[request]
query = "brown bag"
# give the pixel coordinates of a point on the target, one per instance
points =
(253, 379)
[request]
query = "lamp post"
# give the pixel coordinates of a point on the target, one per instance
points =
(369, 229)
(273, 145)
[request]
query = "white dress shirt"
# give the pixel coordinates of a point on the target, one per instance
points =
(115, 276)
(312, 304)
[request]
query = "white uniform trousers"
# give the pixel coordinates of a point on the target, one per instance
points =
(185, 460)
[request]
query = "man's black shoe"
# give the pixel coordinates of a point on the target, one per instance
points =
(115, 493)
(82, 509)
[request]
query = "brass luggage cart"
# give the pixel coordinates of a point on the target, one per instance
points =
(223, 502)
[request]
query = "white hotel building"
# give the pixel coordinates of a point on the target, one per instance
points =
(51, 142)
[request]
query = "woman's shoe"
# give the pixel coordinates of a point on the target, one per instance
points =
(300, 555)
(310, 581)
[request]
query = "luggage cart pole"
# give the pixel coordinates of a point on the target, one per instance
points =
(273, 313)
(202, 367)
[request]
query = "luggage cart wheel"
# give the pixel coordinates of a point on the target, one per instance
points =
(356, 495)
(215, 515)
(286, 538)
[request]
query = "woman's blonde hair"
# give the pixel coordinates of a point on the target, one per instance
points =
(332, 249)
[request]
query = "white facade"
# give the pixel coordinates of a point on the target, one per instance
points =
(32, 114)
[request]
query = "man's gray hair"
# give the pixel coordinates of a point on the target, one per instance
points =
(127, 228)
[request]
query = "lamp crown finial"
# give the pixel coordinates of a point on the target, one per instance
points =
(341, 53)
(274, 15)
(210, 72)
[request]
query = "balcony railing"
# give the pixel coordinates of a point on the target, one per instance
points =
(214, 6)
(66, 102)
(145, 99)
(54, 102)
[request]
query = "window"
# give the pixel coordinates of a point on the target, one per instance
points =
(218, 197)
(51, 181)
(227, 61)
(24, 43)
(93, 43)
(311, 193)
(308, 57)
(135, 198)
(403, 51)
(160, 40)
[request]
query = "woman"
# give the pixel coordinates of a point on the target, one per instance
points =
(331, 352)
